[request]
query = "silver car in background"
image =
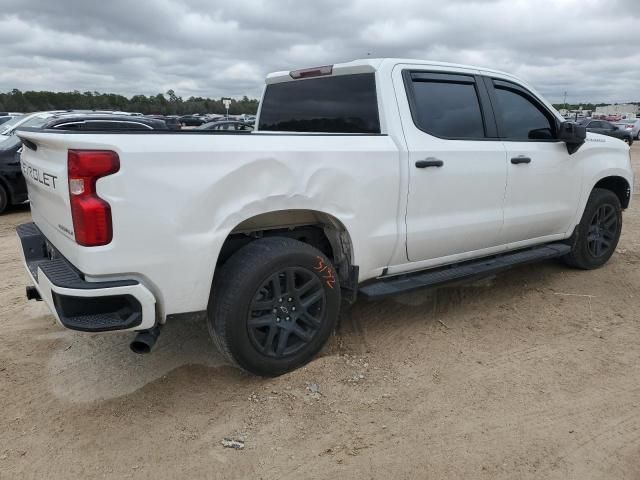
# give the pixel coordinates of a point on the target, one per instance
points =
(631, 125)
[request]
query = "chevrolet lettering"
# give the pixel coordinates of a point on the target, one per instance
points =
(38, 175)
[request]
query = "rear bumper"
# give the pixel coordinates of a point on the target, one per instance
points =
(76, 303)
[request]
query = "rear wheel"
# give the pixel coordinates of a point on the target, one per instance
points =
(597, 235)
(273, 306)
(4, 199)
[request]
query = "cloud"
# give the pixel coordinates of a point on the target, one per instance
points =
(587, 48)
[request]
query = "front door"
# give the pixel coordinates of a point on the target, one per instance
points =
(543, 182)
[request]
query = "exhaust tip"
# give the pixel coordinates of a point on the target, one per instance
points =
(144, 341)
(141, 348)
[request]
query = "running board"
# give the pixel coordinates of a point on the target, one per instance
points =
(462, 271)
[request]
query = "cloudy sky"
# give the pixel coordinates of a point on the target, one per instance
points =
(589, 48)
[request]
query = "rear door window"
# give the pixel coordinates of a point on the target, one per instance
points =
(336, 104)
(445, 105)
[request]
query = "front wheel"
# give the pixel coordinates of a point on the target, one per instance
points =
(598, 232)
(273, 305)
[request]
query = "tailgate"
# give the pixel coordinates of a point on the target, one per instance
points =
(44, 166)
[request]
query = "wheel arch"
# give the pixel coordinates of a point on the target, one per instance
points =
(618, 185)
(320, 229)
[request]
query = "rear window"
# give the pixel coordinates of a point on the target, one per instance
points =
(340, 104)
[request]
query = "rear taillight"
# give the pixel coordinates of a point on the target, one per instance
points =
(91, 214)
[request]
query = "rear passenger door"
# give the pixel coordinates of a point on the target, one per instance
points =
(544, 181)
(457, 166)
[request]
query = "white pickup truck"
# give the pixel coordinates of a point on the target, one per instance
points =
(374, 176)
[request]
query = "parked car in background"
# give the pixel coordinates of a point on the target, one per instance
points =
(38, 119)
(101, 122)
(192, 120)
(606, 128)
(631, 125)
(171, 121)
(5, 117)
(13, 189)
(34, 120)
(225, 125)
(249, 120)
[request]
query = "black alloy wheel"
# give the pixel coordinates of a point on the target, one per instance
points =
(273, 305)
(602, 230)
(286, 312)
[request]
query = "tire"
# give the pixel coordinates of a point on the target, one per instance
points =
(596, 236)
(4, 199)
(638, 135)
(258, 320)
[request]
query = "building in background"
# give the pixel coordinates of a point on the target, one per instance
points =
(621, 109)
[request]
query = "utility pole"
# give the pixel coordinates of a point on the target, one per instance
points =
(565, 100)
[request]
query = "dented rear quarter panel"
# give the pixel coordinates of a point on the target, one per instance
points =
(176, 198)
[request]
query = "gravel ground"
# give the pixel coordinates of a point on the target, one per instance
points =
(532, 374)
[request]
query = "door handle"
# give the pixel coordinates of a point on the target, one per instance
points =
(429, 162)
(518, 160)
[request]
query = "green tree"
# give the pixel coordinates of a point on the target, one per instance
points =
(168, 103)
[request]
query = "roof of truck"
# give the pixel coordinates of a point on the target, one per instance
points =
(367, 65)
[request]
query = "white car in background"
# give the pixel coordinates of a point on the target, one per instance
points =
(33, 120)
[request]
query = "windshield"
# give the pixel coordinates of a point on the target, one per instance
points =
(7, 125)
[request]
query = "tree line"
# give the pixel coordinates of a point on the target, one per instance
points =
(160, 104)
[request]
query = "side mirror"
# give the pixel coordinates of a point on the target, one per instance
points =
(572, 134)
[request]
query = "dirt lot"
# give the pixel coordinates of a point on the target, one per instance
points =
(533, 374)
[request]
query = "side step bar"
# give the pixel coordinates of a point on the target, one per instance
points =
(462, 271)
